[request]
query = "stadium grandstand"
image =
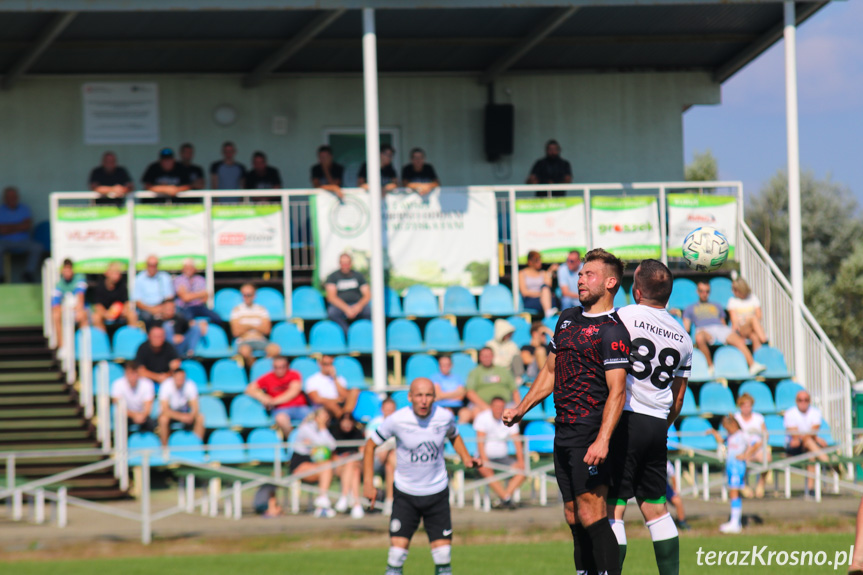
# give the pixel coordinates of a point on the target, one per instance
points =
(218, 185)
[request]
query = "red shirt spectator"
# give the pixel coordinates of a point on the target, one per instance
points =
(281, 391)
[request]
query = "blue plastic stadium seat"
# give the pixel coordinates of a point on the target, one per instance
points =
(420, 365)
(698, 426)
(462, 364)
(700, 371)
(306, 366)
(689, 407)
(420, 302)
(551, 322)
(352, 370)
(826, 433)
(776, 430)
(761, 394)
(392, 303)
(307, 303)
(260, 368)
(99, 344)
(786, 394)
(291, 341)
(273, 301)
(458, 301)
(683, 294)
(404, 335)
(262, 446)
(468, 435)
(196, 373)
(368, 406)
(327, 337)
(360, 337)
(621, 299)
(228, 377)
(225, 301)
(544, 432)
(548, 407)
(213, 410)
(717, 399)
(496, 300)
(522, 330)
(185, 445)
(127, 340)
(777, 368)
(214, 344)
(477, 331)
(537, 412)
(442, 336)
(248, 413)
(720, 290)
(145, 440)
(401, 398)
(672, 442)
(226, 447)
(730, 364)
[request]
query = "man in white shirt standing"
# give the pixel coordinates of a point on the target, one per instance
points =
(493, 437)
(178, 399)
(138, 393)
(421, 483)
(802, 423)
(329, 390)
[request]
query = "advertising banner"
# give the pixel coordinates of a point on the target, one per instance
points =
(173, 233)
(248, 238)
(551, 226)
(628, 226)
(92, 237)
(687, 212)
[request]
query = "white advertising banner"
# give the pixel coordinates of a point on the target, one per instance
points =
(173, 233)
(121, 112)
(687, 212)
(445, 238)
(248, 237)
(551, 226)
(92, 237)
(628, 226)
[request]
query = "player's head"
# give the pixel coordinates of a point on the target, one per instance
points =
(730, 424)
(652, 283)
(803, 401)
(745, 402)
(388, 407)
(703, 289)
(497, 406)
(421, 396)
(486, 357)
(599, 277)
(740, 288)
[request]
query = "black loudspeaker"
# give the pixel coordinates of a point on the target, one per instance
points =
(499, 119)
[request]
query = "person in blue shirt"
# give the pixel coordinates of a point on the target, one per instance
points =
(740, 448)
(74, 285)
(567, 280)
(153, 288)
(16, 220)
(450, 390)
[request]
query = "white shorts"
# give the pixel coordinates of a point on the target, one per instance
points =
(717, 333)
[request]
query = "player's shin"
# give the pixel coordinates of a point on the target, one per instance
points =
(442, 557)
(666, 544)
(395, 560)
(605, 551)
(619, 533)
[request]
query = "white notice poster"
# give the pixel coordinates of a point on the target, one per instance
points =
(121, 112)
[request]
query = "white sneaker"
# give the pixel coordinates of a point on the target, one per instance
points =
(324, 513)
(357, 512)
(756, 368)
(552, 311)
(730, 527)
(388, 507)
(341, 505)
(323, 502)
(711, 371)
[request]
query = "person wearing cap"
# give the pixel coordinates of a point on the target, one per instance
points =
(166, 176)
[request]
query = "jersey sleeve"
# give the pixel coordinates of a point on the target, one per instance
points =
(684, 368)
(384, 431)
(552, 344)
(452, 429)
(615, 348)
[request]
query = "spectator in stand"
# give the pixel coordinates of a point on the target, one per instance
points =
(385, 455)
(389, 175)
(752, 424)
(449, 388)
(183, 333)
(567, 280)
(192, 294)
(531, 367)
(711, 329)
(329, 390)
(347, 429)
(227, 173)
(281, 393)
(251, 326)
(111, 299)
(262, 176)
(75, 285)
(802, 423)
(348, 294)
(156, 357)
(266, 503)
(16, 221)
(179, 402)
(313, 447)
(153, 288)
(418, 175)
(672, 495)
(552, 169)
(327, 174)
(195, 172)
(166, 176)
(487, 381)
(744, 311)
(539, 337)
(138, 393)
(111, 180)
(506, 352)
(534, 284)
(492, 437)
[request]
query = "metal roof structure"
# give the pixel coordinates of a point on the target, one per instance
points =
(482, 37)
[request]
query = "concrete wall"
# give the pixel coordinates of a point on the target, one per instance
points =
(612, 127)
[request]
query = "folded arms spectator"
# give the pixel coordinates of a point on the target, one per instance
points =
(165, 176)
(111, 299)
(138, 394)
(16, 221)
(281, 393)
(418, 175)
(194, 171)
(487, 381)
(192, 294)
(113, 182)
(179, 402)
(227, 173)
(534, 284)
(251, 326)
(348, 294)
(327, 174)
(329, 390)
(156, 357)
(262, 176)
(552, 169)
(152, 289)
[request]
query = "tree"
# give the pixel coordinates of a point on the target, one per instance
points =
(702, 168)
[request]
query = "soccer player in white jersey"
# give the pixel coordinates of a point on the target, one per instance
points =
(421, 490)
(661, 360)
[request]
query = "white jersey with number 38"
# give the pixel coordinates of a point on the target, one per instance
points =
(661, 351)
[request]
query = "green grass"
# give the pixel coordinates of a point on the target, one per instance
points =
(510, 559)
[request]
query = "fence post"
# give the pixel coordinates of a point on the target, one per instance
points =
(68, 327)
(238, 500)
(146, 528)
(817, 482)
(295, 497)
(10, 472)
(213, 494)
(62, 507)
(39, 506)
(103, 406)
(17, 505)
(190, 493)
(705, 471)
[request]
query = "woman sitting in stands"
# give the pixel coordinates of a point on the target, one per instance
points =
(744, 310)
(535, 285)
(313, 448)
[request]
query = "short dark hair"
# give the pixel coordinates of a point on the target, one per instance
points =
(654, 281)
(536, 326)
(533, 254)
(482, 349)
(325, 148)
(261, 155)
(497, 398)
(703, 282)
(415, 150)
(250, 284)
(228, 143)
(133, 365)
(387, 148)
(615, 263)
(68, 262)
(529, 348)
(551, 142)
(179, 370)
(187, 145)
(388, 400)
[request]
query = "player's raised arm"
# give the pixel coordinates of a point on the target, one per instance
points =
(466, 458)
(678, 390)
(541, 388)
(616, 381)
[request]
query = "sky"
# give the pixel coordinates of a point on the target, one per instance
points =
(747, 132)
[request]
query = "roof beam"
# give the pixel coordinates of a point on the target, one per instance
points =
(762, 43)
(526, 44)
(43, 42)
(291, 47)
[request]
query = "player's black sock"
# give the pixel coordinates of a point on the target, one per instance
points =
(605, 550)
(582, 551)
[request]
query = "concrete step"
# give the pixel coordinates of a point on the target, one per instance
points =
(53, 400)
(36, 425)
(38, 412)
(32, 388)
(34, 376)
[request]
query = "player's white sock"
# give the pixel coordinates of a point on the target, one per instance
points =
(666, 544)
(442, 557)
(736, 510)
(620, 533)
(395, 560)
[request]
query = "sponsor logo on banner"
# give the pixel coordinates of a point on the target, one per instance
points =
(248, 237)
(552, 226)
(627, 226)
(349, 218)
(92, 236)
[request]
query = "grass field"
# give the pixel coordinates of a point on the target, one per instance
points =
(497, 559)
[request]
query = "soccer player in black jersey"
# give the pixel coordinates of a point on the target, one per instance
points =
(586, 369)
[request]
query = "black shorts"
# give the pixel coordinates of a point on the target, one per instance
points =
(638, 454)
(794, 451)
(297, 460)
(574, 476)
(432, 509)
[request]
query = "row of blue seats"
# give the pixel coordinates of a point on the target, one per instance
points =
(685, 292)
(699, 439)
(717, 399)
(729, 364)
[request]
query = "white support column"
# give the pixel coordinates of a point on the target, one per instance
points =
(373, 162)
(794, 217)
(62, 507)
(146, 519)
(513, 249)
(663, 224)
(210, 234)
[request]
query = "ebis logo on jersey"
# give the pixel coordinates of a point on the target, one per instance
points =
(590, 330)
